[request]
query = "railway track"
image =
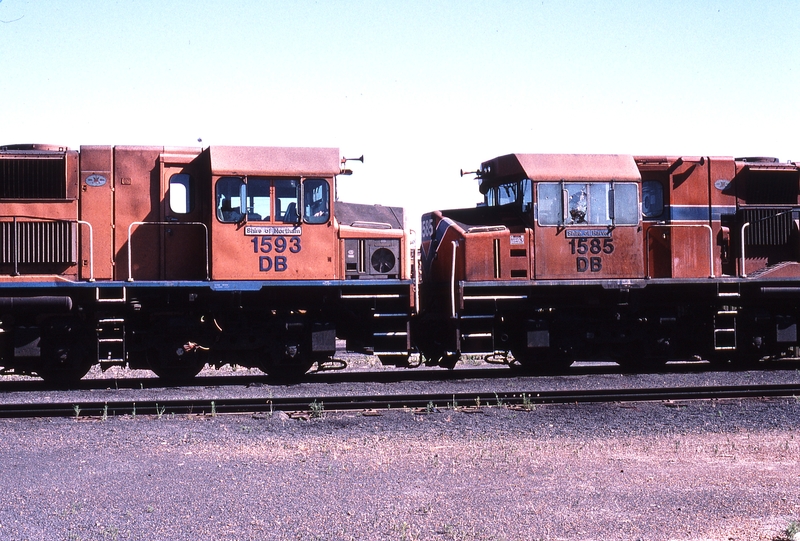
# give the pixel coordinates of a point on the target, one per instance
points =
(314, 405)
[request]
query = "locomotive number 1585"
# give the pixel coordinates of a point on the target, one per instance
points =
(589, 252)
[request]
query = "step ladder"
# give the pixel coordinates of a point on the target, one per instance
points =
(729, 290)
(725, 329)
(111, 348)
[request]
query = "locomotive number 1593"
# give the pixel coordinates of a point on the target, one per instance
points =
(275, 246)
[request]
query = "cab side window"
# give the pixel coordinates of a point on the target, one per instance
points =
(229, 199)
(180, 193)
(652, 199)
(286, 197)
(316, 198)
(258, 199)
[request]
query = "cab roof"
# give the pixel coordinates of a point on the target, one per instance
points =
(274, 161)
(557, 167)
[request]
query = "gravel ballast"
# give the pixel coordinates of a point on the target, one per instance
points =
(652, 471)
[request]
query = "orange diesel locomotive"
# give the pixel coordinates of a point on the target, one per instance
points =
(171, 258)
(637, 259)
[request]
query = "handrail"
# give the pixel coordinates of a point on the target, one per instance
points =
(710, 245)
(415, 267)
(742, 263)
(453, 282)
(91, 248)
(130, 265)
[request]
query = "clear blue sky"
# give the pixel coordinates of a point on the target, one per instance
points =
(422, 88)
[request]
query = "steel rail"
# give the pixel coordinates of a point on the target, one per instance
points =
(206, 406)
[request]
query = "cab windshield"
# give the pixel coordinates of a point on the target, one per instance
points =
(276, 200)
(588, 203)
(511, 193)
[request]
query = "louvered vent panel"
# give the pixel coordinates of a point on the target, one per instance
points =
(33, 178)
(38, 242)
(768, 227)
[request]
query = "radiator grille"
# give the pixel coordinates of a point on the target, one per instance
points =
(771, 187)
(38, 242)
(33, 178)
(768, 227)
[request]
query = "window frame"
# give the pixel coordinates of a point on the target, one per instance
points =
(280, 200)
(186, 196)
(559, 206)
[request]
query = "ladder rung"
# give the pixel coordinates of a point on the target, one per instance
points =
(111, 299)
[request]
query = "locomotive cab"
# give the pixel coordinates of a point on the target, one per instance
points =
(272, 215)
(585, 213)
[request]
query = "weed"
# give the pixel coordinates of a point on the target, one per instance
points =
(133, 411)
(104, 416)
(527, 403)
(213, 409)
(405, 531)
(160, 411)
(77, 409)
(478, 401)
(110, 532)
(317, 409)
(792, 531)
(500, 402)
(430, 408)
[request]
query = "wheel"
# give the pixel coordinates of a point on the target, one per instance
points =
(177, 363)
(64, 366)
(394, 359)
(67, 352)
(287, 362)
(545, 362)
(286, 371)
(732, 360)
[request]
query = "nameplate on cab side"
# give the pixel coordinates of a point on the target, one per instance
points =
(587, 233)
(283, 230)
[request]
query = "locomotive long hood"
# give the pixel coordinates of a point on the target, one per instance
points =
(557, 167)
(277, 161)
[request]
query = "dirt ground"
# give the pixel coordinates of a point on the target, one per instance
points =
(721, 470)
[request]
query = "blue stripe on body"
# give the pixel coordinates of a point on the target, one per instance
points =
(698, 213)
